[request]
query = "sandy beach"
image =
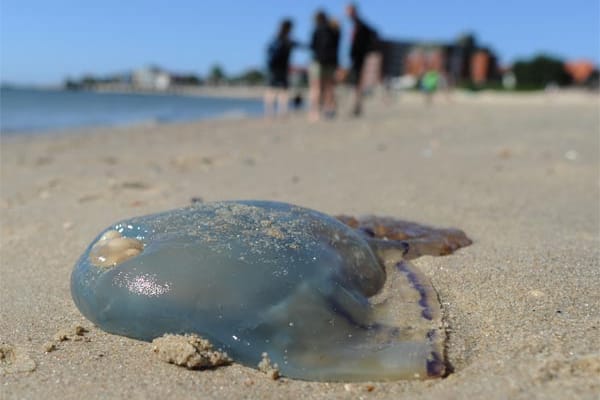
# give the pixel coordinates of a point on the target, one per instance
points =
(518, 173)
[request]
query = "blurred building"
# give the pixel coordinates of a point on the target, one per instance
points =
(151, 78)
(580, 71)
(460, 61)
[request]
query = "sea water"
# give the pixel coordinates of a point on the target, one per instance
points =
(36, 110)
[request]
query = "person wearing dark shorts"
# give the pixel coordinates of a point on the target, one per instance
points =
(278, 60)
(364, 41)
(324, 45)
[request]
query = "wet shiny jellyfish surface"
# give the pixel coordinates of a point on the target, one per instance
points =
(329, 299)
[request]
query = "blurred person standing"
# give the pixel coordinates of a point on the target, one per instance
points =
(365, 45)
(329, 97)
(278, 63)
(324, 45)
(430, 82)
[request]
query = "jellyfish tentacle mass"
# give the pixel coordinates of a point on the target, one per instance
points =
(329, 299)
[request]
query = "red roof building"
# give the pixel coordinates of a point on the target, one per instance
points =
(580, 71)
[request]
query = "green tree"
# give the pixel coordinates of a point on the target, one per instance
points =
(190, 80)
(539, 72)
(250, 77)
(216, 75)
(88, 81)
(71, 84)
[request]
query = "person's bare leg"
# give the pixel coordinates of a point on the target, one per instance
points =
(269, 103)
(357, 108)
(314, 94)
(329, 97)
(282, 102)
(428, 98)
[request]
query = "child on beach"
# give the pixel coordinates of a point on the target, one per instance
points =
(429, 84)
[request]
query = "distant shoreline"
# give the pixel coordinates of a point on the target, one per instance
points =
(237, 92)
(41, 110)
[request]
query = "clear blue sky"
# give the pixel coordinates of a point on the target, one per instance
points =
(44, 41)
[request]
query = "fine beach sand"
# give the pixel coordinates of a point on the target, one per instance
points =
(519, 174)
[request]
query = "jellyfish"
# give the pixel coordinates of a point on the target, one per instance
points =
(327, 298)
